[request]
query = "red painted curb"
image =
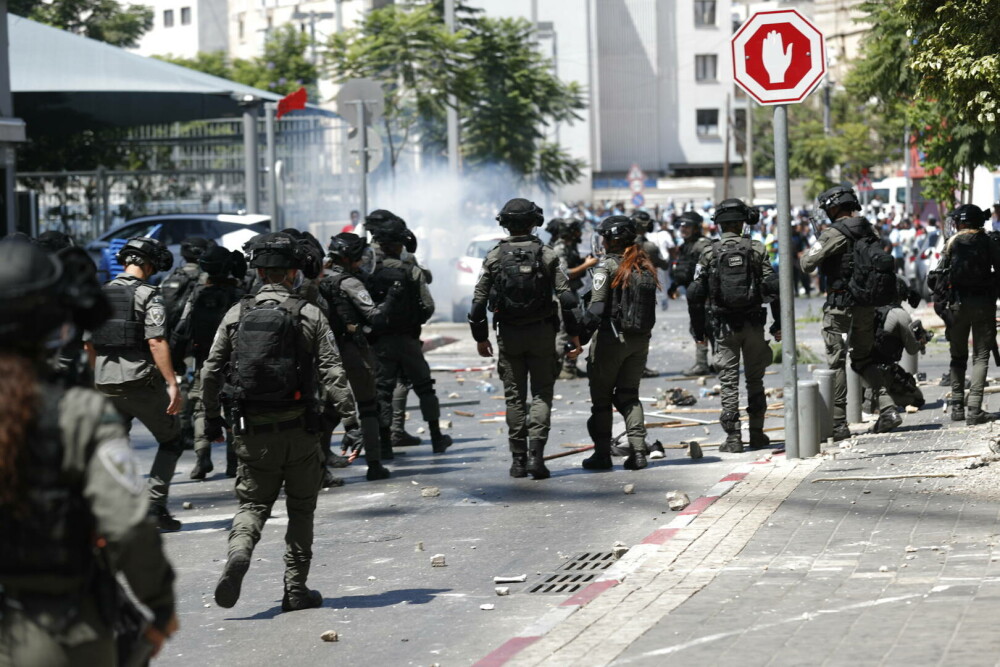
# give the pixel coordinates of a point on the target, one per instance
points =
(589, 593)
(507, 650)
(660, 536)
(735, 477)
(700, 505)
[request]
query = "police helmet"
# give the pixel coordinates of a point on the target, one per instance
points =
(618, 228)
(277, 250)
(54, 241)
(194, 247)
(554, 227)
(147, 249)
(969, 216)
(40, 291)
(379, 218)
(347, 246)
(643, 221)
(839, 196)
(410, 242)
(390, 231)
(692, 219)
(220, 263)
(519, 214)
(735, 211)
(571, 228)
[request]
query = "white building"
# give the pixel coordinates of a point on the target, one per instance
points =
(184, 27)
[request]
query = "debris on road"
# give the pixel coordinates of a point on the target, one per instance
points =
(619, 549)
(419, 547)
(454, 394)
(463, 413)
(430, 492)
(502, 590)
(694, 450)
(511, 579)
(330, 636)
(437, 560)
(629, 489)
(677, 500)
(487, 607)
(188, 505)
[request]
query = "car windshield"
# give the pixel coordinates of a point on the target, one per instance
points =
(479, 249)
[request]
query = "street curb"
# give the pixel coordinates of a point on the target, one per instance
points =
(627, 564)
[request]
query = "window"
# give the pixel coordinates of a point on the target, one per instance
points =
(704, 12)
(705, 67)
(168, 18)
(708, 122)
(241, 25)
(185, 16)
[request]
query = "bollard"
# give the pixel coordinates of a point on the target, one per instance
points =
(825, 404)
(809, 419)
(853, 396)
(909, 363)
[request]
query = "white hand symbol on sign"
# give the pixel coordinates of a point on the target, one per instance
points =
(776, 58)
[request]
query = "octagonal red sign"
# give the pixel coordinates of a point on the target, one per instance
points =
(778, 57)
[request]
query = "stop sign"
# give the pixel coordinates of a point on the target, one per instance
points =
(778, 57)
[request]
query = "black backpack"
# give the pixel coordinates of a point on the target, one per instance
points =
(523, 290)
(970, 263)
(734, 278)
(873, 270)
(209, 304)
(175, 290)
(270, 366)
(888, 349)
(634, 307)
(406, 314)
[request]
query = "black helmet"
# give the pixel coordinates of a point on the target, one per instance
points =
(40, 291)
(277, 250)
(379, 218)
(148, 250)
(220, 263)
(555, 227)
(839, 196)
(312, 256)
(390, 231)
(347, 246)
(54, 241)
(643, 221)
(520, 213)
(194, 247)
(969, 216)
(571, 228)
(618, 228)
(691, 219)
(734, 210)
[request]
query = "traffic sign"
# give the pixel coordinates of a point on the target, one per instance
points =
(778, 57)
(636, 185)
(638, 200)
(635, 172)
(367, 91)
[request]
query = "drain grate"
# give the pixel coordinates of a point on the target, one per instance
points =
(589, 561)
(561, 582)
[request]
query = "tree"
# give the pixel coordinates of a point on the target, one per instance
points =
(103, 20)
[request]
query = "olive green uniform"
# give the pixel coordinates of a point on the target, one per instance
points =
(899, 388)
(278, 448)
(61, 620)
(526, 347)
(688, 256)
(569, 258)
(614, 366)
(189, 428)
(845, 326)
(737, 335)
(137, 389)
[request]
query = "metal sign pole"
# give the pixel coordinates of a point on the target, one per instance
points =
(363, 129)
(251, 159)
(786, 259)
(272, 159)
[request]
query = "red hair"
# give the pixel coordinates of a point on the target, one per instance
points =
(634, 259)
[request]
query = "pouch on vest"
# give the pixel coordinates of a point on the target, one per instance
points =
(734, 280)
(269, 367)
(635, 304)
(523, 291)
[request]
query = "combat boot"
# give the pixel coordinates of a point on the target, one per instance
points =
(701, 366)
(163, 519)
(976, 416)
(376, 471)
(957, 412)
(841, 431)
(759, 439)
(310, 599)
(439, 441)
(600, 459)
(650, 373)
(518, 468)
(385, 445)
(404, 439)
(536, 460)
(636, 460)
(227, 591)
(733, 444)
(330, 480)
(887, 421)
(202, 465)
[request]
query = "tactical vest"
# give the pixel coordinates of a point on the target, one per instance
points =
(837, 269)
(51, 533)
(734, 278)
(122, 331)
(687, 260)
(888, 349)
(522, 291)
(633, 306)
(342, 311)
(406, 314)
(970, 263)
(209, 305)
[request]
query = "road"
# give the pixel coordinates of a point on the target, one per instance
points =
(374, 540)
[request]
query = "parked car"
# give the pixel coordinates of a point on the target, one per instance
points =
(228, 230)
(467, 268)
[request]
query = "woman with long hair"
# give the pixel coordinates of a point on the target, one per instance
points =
(72, 505)
(623, 312)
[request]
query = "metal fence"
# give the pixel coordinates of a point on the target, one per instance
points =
(198, 168)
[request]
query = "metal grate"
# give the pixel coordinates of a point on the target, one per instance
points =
(589, 561)
(561, 582)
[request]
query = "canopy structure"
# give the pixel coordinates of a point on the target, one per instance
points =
(64, 83)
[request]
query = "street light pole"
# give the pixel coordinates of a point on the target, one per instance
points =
(251, 155)
(449, 19)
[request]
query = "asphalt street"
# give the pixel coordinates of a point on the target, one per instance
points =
(374, 540)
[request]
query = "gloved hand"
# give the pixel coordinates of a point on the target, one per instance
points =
(352, 440)
(672, 291)
(213, 429)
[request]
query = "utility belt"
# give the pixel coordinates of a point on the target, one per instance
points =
(723, 323)
(277, 427)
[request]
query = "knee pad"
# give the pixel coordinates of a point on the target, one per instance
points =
(730, 421)
(756, 404)
(425, 388)
(624, 398)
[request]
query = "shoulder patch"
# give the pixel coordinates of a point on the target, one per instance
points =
(119, 460)
(157, 314)
(599, 280)
(816, 247)
(365, 298)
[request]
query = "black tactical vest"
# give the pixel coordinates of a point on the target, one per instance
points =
(837, 269)
(342, 311)
(122, 331)
(888, 349)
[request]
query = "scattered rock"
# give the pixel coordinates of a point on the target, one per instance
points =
(619, 549)
(487, 607)
(910, 548)
(677, 500)
(557, 397)
(437, 560)
(419, 547)
(702, 381)
(454, 394)
(188, 505)
(444, 423)
(884, 568)
(629, 489)
(430, 492)
(329, 636)
(510, 579)
(912, 409)
(694, 450)
(421, 429)
(372, 578)
(502, 590)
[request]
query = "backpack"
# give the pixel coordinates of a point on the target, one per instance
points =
(209, 304)
(523, 290)
(734, 279)
(887, 349)
(873, 270)
(175, 291)
(970, 262)
(634, 308)
(270, 366)
(406, 314)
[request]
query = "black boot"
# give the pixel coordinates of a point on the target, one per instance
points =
(163, 519)
(330, 480)
(202, 465)
(536, 460)
(439, 441)
(404, 439)
(759, 439)
(600, 459)
(887, 421)
(636, 459)
(841, 431)
(227, 591)
(957, 412)
(376, 471)
(976, 416)
(518, 467)
(297, 601)
(733, 444)
(385, 442)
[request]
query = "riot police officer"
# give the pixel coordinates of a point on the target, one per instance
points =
(353, 314)
(277, 348)
(71, 497)
(734, 280)
(132, 363)
(896, 332)
(519, 279)
(622, 312)
(848, 316)
(566, 246)
(690, 252)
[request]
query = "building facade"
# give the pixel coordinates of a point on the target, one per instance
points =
(182, 28)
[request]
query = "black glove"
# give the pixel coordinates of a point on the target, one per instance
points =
(672, 290)
(352, 440)
(775, 328)
(213, 428)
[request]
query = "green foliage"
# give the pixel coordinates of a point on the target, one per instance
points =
(103, 20)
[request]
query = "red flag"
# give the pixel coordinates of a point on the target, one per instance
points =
(293, 101)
